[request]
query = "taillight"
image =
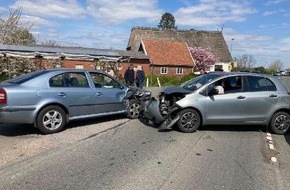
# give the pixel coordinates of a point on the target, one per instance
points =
(3, 96)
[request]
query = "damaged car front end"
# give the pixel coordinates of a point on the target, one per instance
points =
(175, 105)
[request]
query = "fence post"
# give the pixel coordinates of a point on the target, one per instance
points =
(158, 81)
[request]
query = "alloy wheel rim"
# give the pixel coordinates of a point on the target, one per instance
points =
(52, 120)
(134, 109)
(282, 123)
(188, 120)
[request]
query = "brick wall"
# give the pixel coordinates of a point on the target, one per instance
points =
(171, 71)
(74, 63)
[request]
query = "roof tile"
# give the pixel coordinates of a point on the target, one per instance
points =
(162, 52)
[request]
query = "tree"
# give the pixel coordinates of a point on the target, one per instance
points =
(49, 43)
(13, 32)
(275, 66)
(203, 58)
(246, 62)
(167, 21)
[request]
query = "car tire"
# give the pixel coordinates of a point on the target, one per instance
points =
(189, 121)
(280, 123)
(134, 109)
(51, 119)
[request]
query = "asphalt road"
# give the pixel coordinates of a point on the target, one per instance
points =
(136, 156)
(118, 153)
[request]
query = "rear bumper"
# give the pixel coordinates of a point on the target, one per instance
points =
(23, 115)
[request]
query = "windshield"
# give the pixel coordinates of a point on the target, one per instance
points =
(197, 82)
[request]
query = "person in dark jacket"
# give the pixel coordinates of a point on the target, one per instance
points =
(129, 76)
(140, 77)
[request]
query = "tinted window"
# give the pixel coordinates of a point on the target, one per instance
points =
(78, 80)
(256, 83)
(23, 78)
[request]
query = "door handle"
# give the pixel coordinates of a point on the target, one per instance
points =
(99, 94)
(241, 97)
(62, 94)
(273, 96)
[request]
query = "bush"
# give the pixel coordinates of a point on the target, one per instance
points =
(187, 77)
(3, 77)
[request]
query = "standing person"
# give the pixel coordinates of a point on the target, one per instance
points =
(129, 76)
(140, 77)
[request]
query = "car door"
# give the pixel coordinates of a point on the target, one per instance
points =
(72, 90)
(226, 108)
(109, 94)
(261, 99)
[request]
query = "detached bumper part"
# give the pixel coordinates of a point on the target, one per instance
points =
(167, 124)
(151, 111)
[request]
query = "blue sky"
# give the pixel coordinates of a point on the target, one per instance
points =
(257, 27)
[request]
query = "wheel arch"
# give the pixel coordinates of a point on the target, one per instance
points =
(51, 104)
(194, 108)
(279, 110)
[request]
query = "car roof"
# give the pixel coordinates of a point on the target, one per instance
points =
(237, 73)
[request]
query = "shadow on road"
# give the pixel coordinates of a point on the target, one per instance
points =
(226, 128)
(233, 128)
(11, 130)
(287, 137)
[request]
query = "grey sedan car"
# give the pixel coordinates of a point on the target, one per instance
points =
(51, 98)
(245, 99)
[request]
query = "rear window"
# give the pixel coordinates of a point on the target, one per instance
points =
(23, 78)
(260, 84)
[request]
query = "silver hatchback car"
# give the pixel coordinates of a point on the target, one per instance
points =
(222, 98)
(51, 98)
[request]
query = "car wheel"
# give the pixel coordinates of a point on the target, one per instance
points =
(134, 108)
(51, 119)
(189, 120)
(280, 123)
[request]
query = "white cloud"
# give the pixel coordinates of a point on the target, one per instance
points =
(118, 11)
(2, 10)
(273, 2)
(67, 9)
(264, 48)
(269, 13)
(285, 44)
(37, 22)
(213, 12)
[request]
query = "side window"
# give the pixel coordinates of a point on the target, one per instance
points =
(233, 84)
(103, 81)
(257, 84)
(57, 81)
(78, 80)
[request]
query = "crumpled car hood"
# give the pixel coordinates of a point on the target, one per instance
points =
(175, 89)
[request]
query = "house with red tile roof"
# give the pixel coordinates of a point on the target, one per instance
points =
(168, 57)
(212, 41)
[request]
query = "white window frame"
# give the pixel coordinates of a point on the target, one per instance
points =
(163, 70)
(79, 66)
(179, 69)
